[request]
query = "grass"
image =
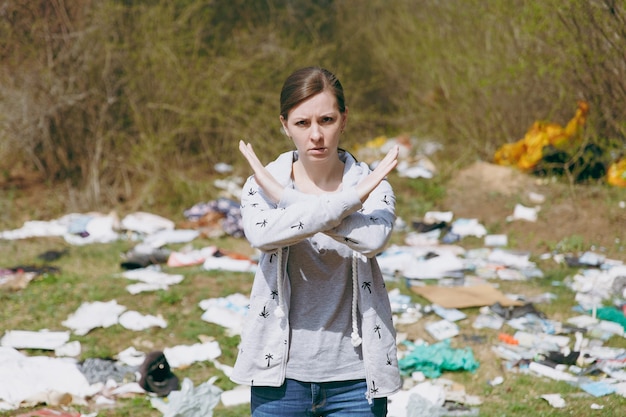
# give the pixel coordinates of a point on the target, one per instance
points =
(91, 273)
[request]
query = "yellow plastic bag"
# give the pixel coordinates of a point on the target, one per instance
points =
(528, 151)
(616, 174)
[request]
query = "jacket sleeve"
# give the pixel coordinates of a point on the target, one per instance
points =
(368, 230)
(269, 226)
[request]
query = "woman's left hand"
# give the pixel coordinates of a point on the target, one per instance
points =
(266, 181)
(383, 168)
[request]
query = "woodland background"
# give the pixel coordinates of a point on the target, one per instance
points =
(114, 101)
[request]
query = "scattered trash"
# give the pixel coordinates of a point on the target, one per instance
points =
(236, 396)
(47, 412)
(463, 297)
(229, 312)
(189, 400)
(598, 388)
(146, 223)
(522, 212)
(450, 314)
(216, 217)
(190, 257)
(488, 320)
(184, 355)
(527, 340)
(142, 257)
(151, 279)
(102, 370)
(496, 381)
(536, 198)
(223, 168)
(496, 240)
(133, 320)
(43, 339)
(555, 400)
(91, 315)
(442, 329)
(31, 380)
(468, 227)
(15, 281)
(550, 372)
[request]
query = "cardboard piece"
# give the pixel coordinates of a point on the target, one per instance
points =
(463, 297)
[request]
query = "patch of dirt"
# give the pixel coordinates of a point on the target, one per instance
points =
(586, 213)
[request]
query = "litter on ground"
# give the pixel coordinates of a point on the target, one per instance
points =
(432, 263)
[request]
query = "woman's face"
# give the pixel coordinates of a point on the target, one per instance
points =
(315, 126)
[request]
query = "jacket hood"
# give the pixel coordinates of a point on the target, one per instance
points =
(353, 172)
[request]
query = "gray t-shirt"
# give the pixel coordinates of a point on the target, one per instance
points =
(320, 316)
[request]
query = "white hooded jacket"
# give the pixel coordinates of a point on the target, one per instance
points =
(272, 228)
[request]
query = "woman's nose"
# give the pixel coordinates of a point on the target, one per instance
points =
(316, 133)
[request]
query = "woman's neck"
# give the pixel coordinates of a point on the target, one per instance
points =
(318, 177)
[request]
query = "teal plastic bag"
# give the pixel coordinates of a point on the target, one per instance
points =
(433, 360)
(612, 314)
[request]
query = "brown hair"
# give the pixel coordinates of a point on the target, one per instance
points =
(307, 82)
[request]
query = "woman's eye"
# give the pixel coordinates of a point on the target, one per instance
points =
(327, 120)
(301, 123)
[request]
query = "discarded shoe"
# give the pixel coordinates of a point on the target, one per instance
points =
(156, 375)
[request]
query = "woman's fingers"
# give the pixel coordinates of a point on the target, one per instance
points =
(387, 164)
(266, 181)
(383, 168)
(390, 160)
(253, 160)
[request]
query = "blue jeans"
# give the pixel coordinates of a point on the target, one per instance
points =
(308, 399)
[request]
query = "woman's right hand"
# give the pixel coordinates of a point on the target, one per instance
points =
(266, 181)
(383, 168)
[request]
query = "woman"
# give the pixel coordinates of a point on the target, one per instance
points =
(319, 339)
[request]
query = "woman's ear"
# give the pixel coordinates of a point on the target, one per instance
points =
(283, 121)
(345, 120)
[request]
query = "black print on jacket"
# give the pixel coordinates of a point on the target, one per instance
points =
(263, 223)
(251, 191)
(300, 226)
(265, 314)
(385, 200)
(347, 239)
(367, 286)
(374, 390)
(269, 357)
(377, 330)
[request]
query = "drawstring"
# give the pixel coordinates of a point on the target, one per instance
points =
(280, 313)
(356, 339)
